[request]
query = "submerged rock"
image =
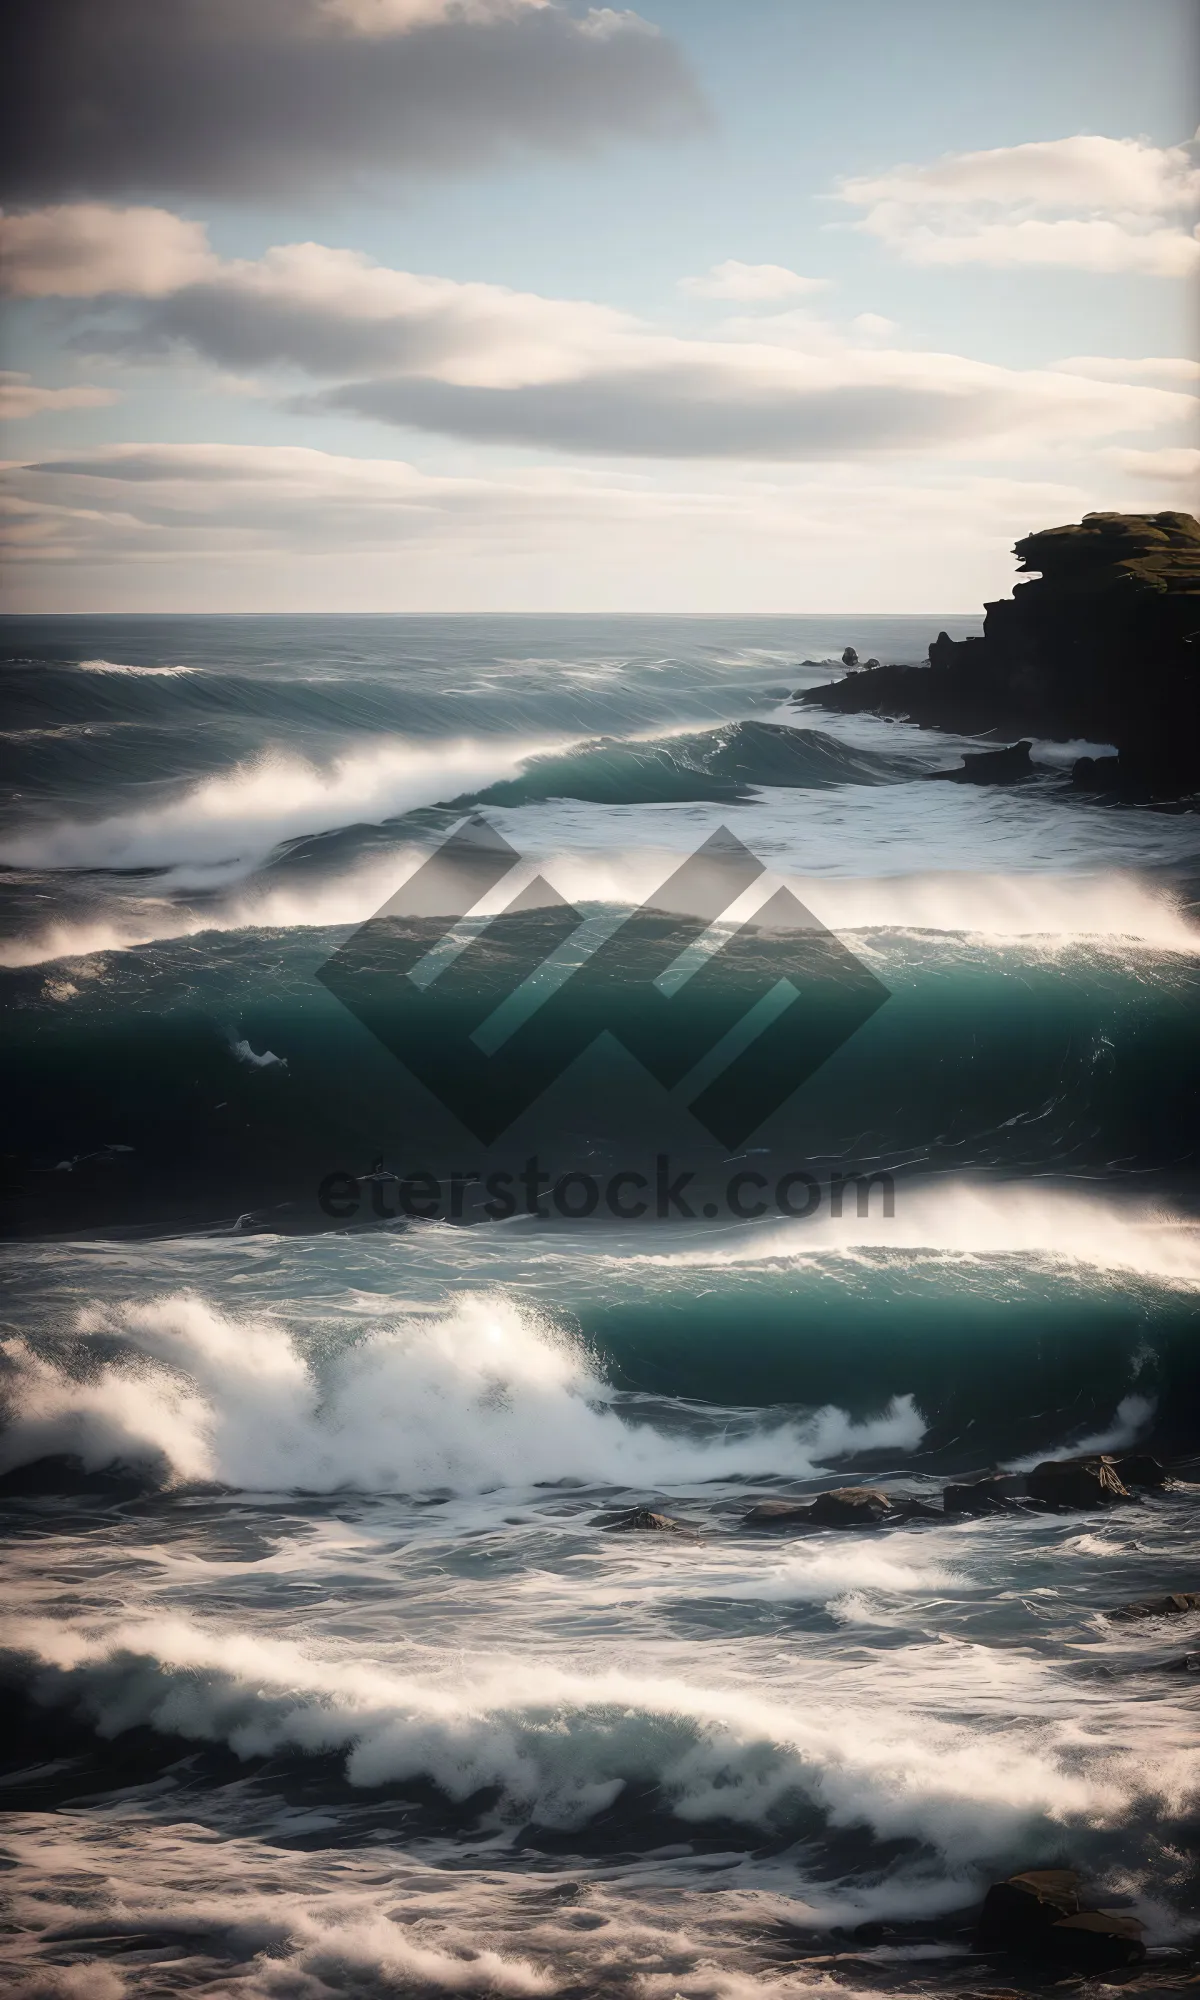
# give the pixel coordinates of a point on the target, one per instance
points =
(992, 767)
(779, 1514)
(1174, 1605)
(644, 1521)
(1139, 1469)
(1076, 1482)
(906, 1507)
(840, 1507)
(61, 1473)
(1096, 1941)
(1018, 1913)
(992, 1494)
(851, 1507)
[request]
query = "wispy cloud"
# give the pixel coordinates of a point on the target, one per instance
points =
(285, 527)
(21, 397)
(1087, 203)
(483, 362)
(732, 280)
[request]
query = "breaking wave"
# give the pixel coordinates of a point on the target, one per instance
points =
(488, 1394)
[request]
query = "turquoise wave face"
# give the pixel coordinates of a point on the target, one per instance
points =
(1007, 1059)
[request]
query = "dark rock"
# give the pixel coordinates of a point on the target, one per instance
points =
(870, 666)
(991, 1495)
(992, 767)
(1017, 1914)
(1097, 774)
(1141, 1470)
(643, 1521)
(1188, 1663)
(779, 1514)
(1175, 1605)
(851, 1507)
(849, 657)
(1076, 1482)
(1102, 642)
(1096, 1941)
(906, 1507)
(63, 1474)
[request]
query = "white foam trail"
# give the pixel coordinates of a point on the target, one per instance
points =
(267, 1060)
(1116, 911)
(1114, 905)
(1133, 1415)
(485, 1396)
(823, 1575)
(243, 814)
(123, 667)
(564, 1744)
(964, 1221)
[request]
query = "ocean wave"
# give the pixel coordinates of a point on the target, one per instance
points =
(1112, 910)
(561, 1745)
(713, 764)
(123, 667)
(487, 1394)
(961, 1223)
(241, 815)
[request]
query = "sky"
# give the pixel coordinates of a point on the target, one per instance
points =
(526, 305)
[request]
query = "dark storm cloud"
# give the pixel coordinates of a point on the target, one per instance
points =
(118, 98)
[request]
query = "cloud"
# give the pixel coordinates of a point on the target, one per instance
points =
(480, 361)
(22, 397)
(1084, 172)
(243, 527)
(1149, 368)
(84, 249)
(1087, 203)
(752, 405)
(329, 311)
(732, 280)
(281, 97)
(1173, 465)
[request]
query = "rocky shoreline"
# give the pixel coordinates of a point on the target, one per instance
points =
(1102, 644)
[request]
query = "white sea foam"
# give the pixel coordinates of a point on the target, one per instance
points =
(964, 1222)
(1113, 911)
(123, 667)
(1133, 1416)
(335, 1923)
(825, 1575)
(485, 1395)
(564, 1744)
(244, 813)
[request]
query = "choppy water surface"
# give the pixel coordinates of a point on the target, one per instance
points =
(325, 1678)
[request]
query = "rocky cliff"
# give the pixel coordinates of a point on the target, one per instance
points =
(1103, 642)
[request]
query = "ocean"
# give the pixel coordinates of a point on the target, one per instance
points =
(327, 1676)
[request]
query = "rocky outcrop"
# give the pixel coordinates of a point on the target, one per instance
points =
(851, 1507)
(644, 1521)
(1096, 1941)
(1174, 1605)
(1103, 643)
(1141, 1470)
(841, 1507)
(1017, 1914)
(993, 1494)
(781, 1514)
(992, 767)
(1075, 1482)
(1040, 1915)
